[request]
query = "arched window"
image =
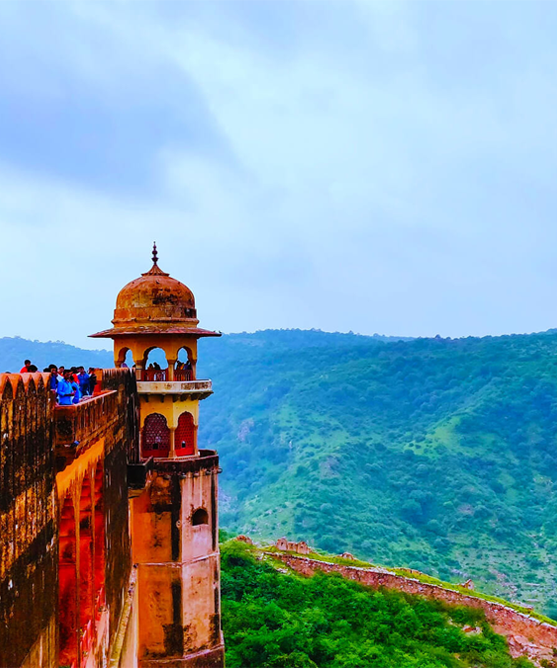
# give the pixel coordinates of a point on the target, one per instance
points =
(184, 436)
(125, 358)
(200, 517)
(185, 365)
(155, 366)
(155, 436)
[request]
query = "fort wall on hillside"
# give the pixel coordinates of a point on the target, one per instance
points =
(526, 635)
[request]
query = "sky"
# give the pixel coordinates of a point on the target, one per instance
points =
(344, 165)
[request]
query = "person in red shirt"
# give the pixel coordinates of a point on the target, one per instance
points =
(25, 369)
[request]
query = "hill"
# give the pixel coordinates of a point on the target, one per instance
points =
(273, 617)
(14, 350)
(433, 454)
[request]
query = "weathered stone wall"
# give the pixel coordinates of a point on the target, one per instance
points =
(290, 546)
(123, 381)
(50, 461)
(175, 547)
(28, 527)
(121, 442)
(526, 635)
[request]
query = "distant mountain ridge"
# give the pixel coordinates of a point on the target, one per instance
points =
(14, 350)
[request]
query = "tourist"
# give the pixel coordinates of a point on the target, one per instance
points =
(92, 380)
(77, 391)
(32, 368)
(83, 380)
(53, 378)
(25, 368)
(66, 389)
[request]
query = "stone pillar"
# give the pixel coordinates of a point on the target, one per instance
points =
(172, 453)
(171, 364)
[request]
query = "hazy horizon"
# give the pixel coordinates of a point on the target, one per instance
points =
(348, 165)
(97, 345)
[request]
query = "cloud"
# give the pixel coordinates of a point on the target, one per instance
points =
(344, 165)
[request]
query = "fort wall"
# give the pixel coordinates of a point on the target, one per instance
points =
(28, 527)
(526, 635)
(65, 556)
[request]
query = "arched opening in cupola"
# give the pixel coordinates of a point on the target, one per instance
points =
(125, 358)
(155, 436)
(185, 365)
(185, 435)
(155, 365)
(67, 587)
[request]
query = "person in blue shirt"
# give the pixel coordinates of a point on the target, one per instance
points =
(77, 394)
(53, 378)
(83, 379)
(66, 389)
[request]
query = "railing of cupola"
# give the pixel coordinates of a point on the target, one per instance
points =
(157, 375)
(154, 374)
(184, 374)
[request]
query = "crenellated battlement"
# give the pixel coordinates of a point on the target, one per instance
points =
(11, 384)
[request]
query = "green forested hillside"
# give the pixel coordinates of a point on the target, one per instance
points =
(439, 455)
(435, 454)
(275, 619)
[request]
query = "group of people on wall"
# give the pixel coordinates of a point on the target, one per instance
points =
(70, 385)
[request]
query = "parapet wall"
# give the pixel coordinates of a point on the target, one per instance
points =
(123, 381)
(526, 635)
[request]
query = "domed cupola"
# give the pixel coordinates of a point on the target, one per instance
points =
(154, 297)
(154, 303)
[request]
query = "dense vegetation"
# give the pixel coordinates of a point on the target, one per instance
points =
(275, 619)
(434, 454)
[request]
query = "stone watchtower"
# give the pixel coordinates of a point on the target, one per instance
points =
(173, 511)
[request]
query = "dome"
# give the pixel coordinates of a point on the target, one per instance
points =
(155, 303)
(154, 297)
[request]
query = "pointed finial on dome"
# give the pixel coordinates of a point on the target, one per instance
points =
(155, 269)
